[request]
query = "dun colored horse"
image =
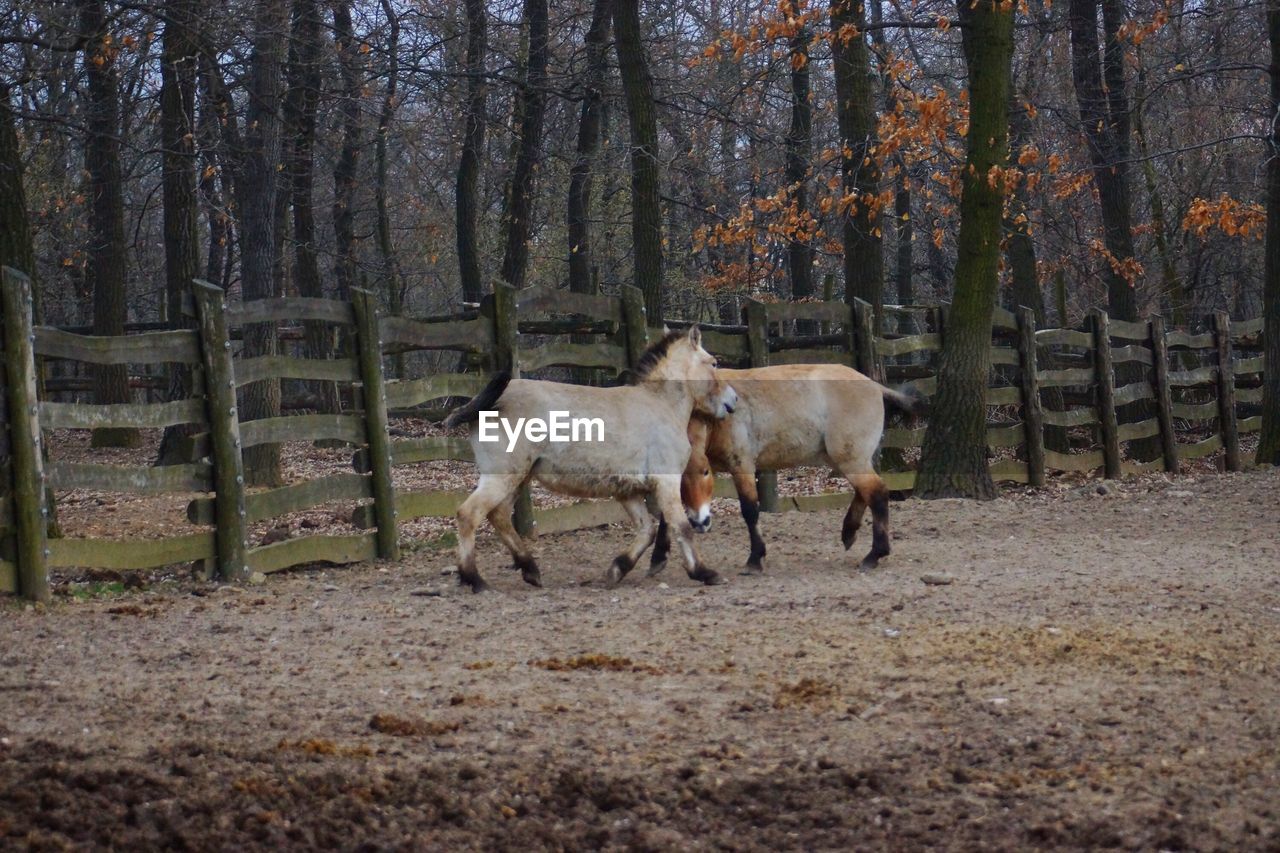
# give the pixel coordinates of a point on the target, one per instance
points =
(789, 415)
(644, 451)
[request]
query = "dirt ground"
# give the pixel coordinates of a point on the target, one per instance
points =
(1102, 670)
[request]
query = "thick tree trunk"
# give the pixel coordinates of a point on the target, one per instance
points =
(1020, 250)
(106, 250)
(1269, 442)
(178, 72)
(390, 263)
(799, 155)
(578, 217)
(467, 192)
(531, 106)
(856, 116)
(954, 458)
(646, 199)
(219, 144)
(257, 185)
(351, 70)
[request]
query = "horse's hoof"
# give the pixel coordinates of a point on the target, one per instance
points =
(706, 576)
(868, 564)
(613, 576)
(532, 577)
(477, 585)
(848, 537)
(656, 568)
(752, 569)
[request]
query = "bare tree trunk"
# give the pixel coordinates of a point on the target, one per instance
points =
(390, 264)
(220, 144)
(799, 156)
(467, 195)
(953, 462)
(646, 199)
(1269, 441)
(351, 70)
(578, 218)
(106, 250)
(531, 105)
(856, 116)
(257, 184)
(178, 72)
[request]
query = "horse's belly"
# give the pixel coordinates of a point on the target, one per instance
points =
(587, 482)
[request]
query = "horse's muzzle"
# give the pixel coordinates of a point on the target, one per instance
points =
(701, 519)
(728, 401)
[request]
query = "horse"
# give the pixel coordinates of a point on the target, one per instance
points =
(644, 451)
(789, 415)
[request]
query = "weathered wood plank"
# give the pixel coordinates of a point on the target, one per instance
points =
(1003, 319)
(1006, 436)
(1199, 376)
(335, 550)
(8, 576)
(903, 439)
(1131, 467)
(577, 516)
(193, 477)
(1071, 417)
(817, 503)
(725, 345)
(606, 355)
(1065, 378)
(899, 481)
(287, 367)
(290, 308)
(1133, 352)
(399, 334)
(542, 300)
(130, 554)
(291, 498)
(348, 428)
(1009, 471)
(828, 312)
(1073, 461)
(1004, 355)
(430, 449)
(1246, 328)
(1105, 382)
(1133, 392)
(1204, 340)
(1006, 396)
(890, 348)
(1140, 429)
(1227, 425)
(1032, 409)
(1208, 447)
(373, 384)
(635, 321)
(416, 505)
(809, 356)
(177, 346)
(1195, 411)
(415, 392)
(1249, 395)
(1246, 366)
(1248, 425)
(141, 415)
(1064, 337)
(1164, 398)
(1129, 331)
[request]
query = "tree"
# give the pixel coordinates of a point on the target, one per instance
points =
(531, 106)
(578, 217)
(106, 249)
(351, 71)
(953, 461)
(178, 71)
(257, 185)
(467, 187)
(646, 198)
(390, 264)
(1269, 441)
(799, 155)
(860, 175)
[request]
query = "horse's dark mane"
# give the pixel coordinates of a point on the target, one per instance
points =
(654, 355)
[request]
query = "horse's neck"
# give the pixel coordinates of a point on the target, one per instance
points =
(674, 393)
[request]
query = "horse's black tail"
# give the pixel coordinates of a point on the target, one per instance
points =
(906, 399)
(486, 399)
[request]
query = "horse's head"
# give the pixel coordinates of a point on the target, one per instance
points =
(698, 484)
(679, 356)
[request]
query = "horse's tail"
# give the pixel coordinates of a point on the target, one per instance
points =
(486, 399)
(906, 399)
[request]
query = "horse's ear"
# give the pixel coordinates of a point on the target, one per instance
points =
(695, 336)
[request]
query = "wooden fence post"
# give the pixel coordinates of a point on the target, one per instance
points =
(29, 506)
(224, 432)
(506, 338)
(1032, 412)
(635, 322)
(369, 353)
(1105, 378)
(865, 358)
(1164, 398)
(758, 350)
(1226, 391)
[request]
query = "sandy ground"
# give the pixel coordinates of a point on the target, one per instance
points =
(1101, 671)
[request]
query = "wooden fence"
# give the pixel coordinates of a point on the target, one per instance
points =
(1060, 383)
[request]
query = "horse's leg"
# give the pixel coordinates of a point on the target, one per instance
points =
(492, 491)
(869, 491)
(681, 531)
(521, 553)
(744, 481)
(646, 530)
(661, 548)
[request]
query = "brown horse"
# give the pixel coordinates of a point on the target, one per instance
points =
(642, 449)
(803, 414)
